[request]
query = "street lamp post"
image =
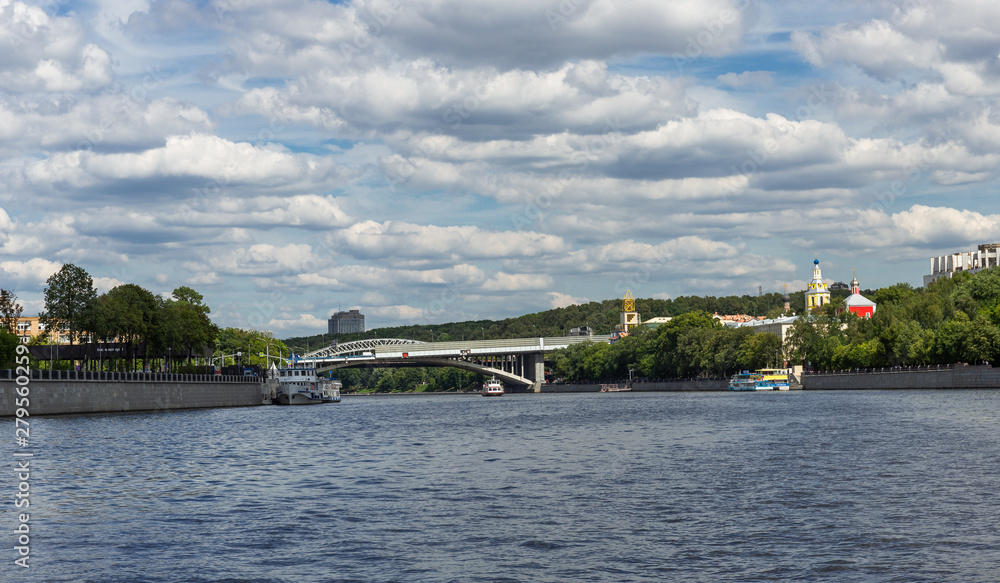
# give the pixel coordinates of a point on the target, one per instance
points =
(222, 358)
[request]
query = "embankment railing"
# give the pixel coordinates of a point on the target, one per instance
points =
(139, 377)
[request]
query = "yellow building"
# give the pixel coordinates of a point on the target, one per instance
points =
(630, 318)
(29, 327)
(817, 293)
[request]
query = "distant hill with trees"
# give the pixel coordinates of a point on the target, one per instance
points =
(601, 316)
(949, 321)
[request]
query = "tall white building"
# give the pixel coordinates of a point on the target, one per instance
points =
(971, 261)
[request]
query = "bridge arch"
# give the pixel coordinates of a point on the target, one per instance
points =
(505, 376)
(518, 361)
(358, 347)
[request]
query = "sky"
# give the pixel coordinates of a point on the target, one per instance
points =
(431, 161)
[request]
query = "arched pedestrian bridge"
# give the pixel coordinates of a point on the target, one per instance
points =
(514, 360)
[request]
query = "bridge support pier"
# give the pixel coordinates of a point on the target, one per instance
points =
(534, 369)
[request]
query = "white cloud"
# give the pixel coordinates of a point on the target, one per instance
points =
(397, 313)
(507, 282)
(876, 46)
(299, 37)
(424, 95)
(44, 53)
(31, 273)
(465, 160)
(106, 284)
(561, 300)
(210, 162)
(107, 121)
(264, 259)
(394, 240)
(304, 323)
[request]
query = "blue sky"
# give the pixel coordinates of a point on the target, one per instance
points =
(441, 160)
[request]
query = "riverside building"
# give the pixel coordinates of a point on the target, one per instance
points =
(349, 322)
(29, 327)
(970, 261)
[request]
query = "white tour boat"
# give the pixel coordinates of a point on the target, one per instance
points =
(300, 385)
(492, 388)
(765, 379)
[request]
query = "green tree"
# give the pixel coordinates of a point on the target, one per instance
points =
(760, 350)
(252, 346)
(980, 292)
(10, 311)
(187, 327)
(667, 361)
(948, 339)
(8, 347)
(68, 294)
(981, 342)
(129, 314)
(814, 339)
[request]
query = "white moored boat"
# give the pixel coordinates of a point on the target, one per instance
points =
(300, 385)
(492, 388)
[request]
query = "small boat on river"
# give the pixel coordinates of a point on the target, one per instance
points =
(492, 388)
(765, 379)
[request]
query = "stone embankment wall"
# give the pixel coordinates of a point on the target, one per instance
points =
(140, 392)
(957, 377)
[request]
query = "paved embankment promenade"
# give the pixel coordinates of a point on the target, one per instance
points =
(957, 376)
(88, 392)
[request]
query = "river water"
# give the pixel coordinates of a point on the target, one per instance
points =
(797, 486)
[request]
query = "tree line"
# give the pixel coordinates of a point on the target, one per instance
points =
(602, 317)
(952, 320)
(153, 329)
(690, 345)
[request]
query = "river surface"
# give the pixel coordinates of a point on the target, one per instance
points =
(798, 486)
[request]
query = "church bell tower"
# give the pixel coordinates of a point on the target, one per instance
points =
(630, 318)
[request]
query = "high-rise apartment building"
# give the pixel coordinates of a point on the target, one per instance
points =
(349, 322)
